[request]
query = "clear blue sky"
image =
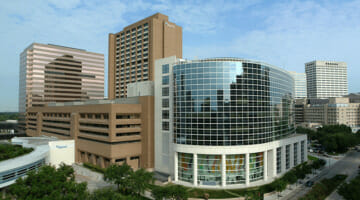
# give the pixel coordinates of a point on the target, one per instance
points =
(282, 33)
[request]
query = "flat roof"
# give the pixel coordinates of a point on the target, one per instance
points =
(128, 100)
(41, 150)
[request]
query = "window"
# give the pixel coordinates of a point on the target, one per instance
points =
(165, 114)
(256, 165)
(295, 154)
(165, 69)
(302, 151)
(185, 167)
(209, 169)
(165, 103)
(235, 169)
(165, 91)
(165, 126)
(165, 80)
(278, 160)
(287, 156)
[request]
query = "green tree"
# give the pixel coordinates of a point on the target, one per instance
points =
(279, 185)
(290, 177)
(174, 192)
(311, 133)
(300, 172)
(49, 183)
(351, 190)
(337, 138)
(119, 175)
(128, 181)
(109, 194)
(8, 116)
(139, 181)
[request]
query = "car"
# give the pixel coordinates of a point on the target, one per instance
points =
(309, 183)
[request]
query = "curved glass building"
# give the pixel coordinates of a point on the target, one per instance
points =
(229, 122)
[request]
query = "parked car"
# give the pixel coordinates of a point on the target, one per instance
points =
(309, 183)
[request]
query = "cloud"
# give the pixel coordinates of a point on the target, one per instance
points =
(201, 16)
(67, 4)
(284, 33)
(294, 32)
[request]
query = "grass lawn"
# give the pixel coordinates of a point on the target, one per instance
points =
(8, 151)
(218, 194)
(312, 158)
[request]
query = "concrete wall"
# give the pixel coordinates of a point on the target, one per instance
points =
(62, 152)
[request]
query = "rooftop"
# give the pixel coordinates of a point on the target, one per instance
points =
(129, 100)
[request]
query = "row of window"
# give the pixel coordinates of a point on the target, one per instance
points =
(65, 115)
(209, 168)
(287, 156)
(94, 115)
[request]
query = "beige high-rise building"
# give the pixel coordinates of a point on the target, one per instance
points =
(133, 51)
(326, 79)
(53, 73)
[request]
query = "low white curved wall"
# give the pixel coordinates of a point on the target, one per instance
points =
(12, 169)
(267, 151)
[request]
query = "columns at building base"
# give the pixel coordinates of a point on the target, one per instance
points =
(247, 170)
(176, 166)
(195, 170)
(265, 166)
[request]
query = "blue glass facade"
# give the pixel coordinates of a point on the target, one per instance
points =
(227, 102)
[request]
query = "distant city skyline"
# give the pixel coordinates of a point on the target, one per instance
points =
(285, 33)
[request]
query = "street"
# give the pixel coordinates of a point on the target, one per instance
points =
(347, 165)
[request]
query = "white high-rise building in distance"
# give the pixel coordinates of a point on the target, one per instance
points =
(299, 84)
(326, 79)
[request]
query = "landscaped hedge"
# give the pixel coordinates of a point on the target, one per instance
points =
(351, 191)
(94, 167)
(8, 151)
(324, 188)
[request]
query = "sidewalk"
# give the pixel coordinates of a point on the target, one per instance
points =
(93, 179)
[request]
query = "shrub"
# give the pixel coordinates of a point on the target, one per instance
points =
(8, 151)
(94, 167)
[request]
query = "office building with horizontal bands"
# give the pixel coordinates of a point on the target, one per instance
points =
(53, 73)
(224, 122)
(105, 131)
(326, 79)
(332, 111)
(299, 84)
(133, 51)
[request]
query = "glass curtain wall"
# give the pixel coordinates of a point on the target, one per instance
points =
(209, 169)
(185, 167)
(256, 166)
(223, 103)
(235, 169)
